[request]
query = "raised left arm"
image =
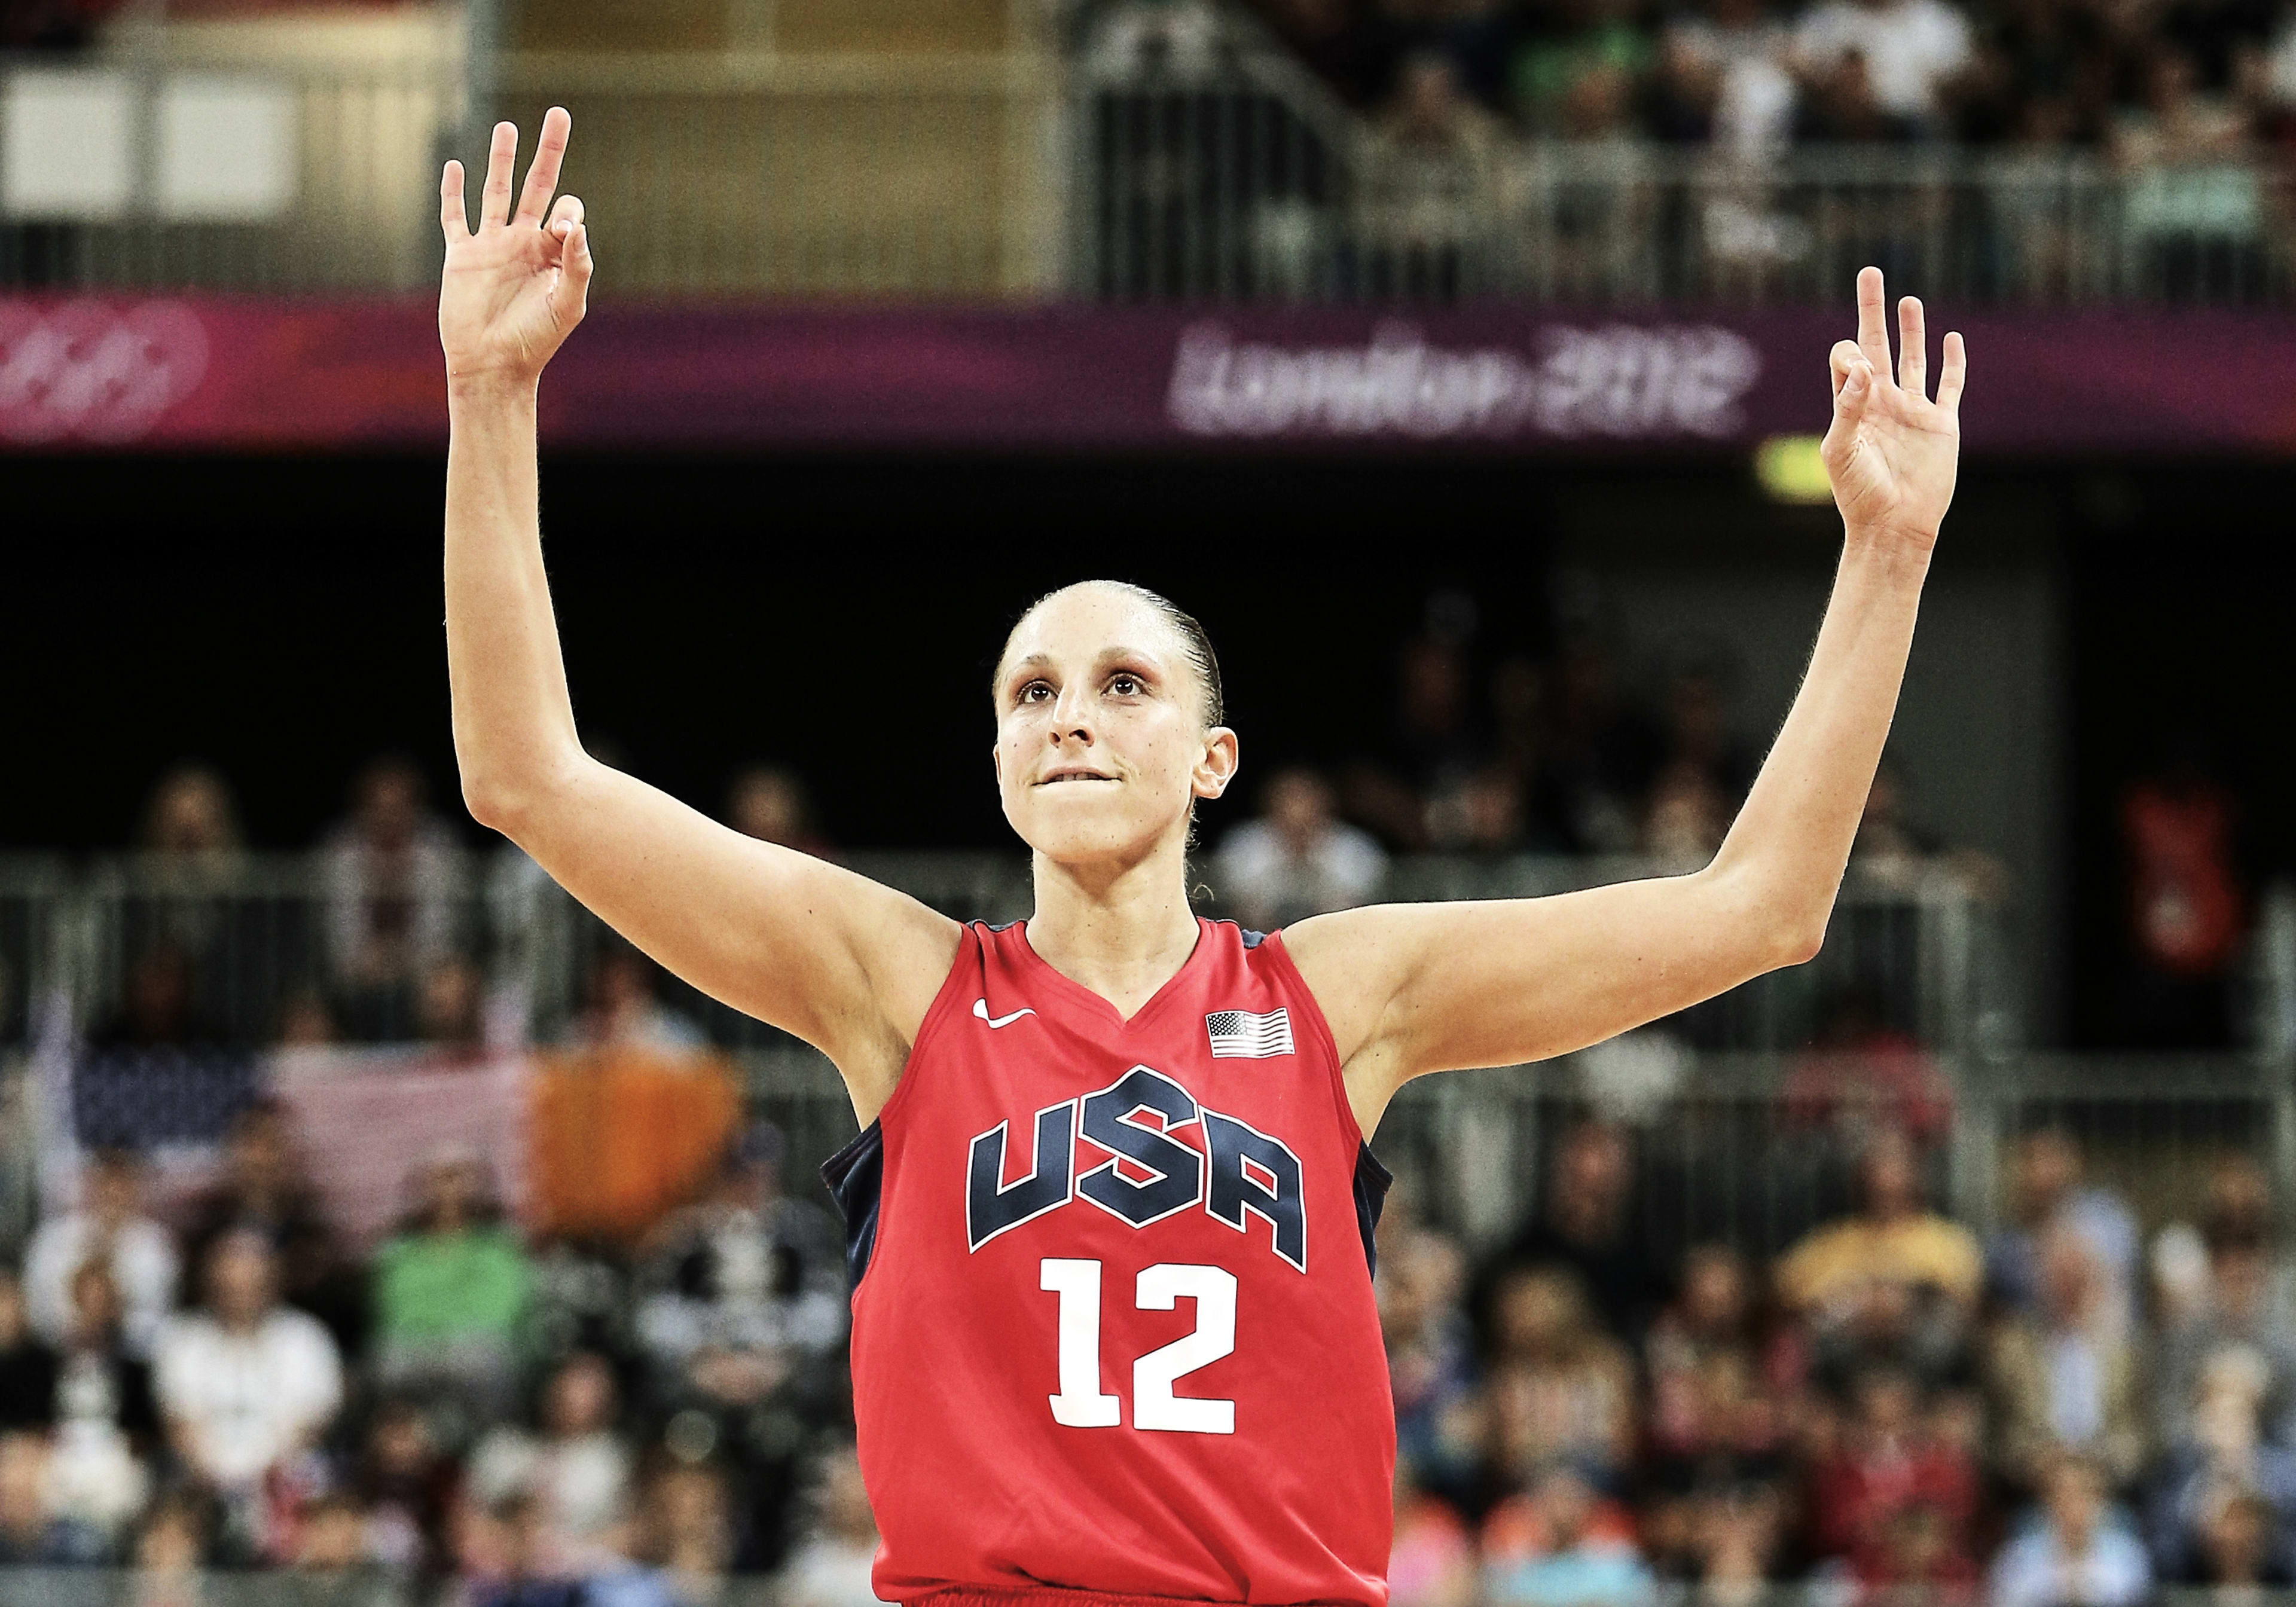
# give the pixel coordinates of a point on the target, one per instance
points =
(1414, 988)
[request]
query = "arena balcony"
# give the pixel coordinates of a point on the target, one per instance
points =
(1003, 152)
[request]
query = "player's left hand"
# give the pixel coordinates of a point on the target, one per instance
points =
(1893, 454)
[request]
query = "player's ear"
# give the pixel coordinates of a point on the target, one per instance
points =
(1215, 768)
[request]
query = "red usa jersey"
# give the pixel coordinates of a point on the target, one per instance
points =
(1112, 1316)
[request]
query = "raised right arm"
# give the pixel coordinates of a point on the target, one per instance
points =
(846, 964)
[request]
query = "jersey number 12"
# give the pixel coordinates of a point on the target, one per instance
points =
(1080, 1405)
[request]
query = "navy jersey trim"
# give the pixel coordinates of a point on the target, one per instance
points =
(1252, 939)
(1372, 1181)
(856, 1176)
(1006, 925)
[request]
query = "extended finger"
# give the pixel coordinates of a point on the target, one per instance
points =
(565, 215)
(542, 177)
(451, 216)
(502, 162)
(1873, 320)
(1845, 356)
(1912, 348)
(1952, 374)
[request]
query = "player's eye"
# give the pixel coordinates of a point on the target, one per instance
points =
(1035, 692)
(1124, 685)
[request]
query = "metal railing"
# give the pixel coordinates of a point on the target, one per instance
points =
(1236, 175)
(1752, 1105)
(255, 935)
(1024, 172)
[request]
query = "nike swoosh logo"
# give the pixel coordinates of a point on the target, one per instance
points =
(980, 1009)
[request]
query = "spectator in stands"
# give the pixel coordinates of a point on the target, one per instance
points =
(1894, 1498)
(1893, 1284)
(1577, 68)
(405, 1481)
(2236, 1324)
(2195, 210)
(2048, 1195)
(1432, 742)
(1707, 1400)
(1432, 182)
(578, 1469)
(2046, 73)
(622, 1008)
(172, 1548)
(1588, 1228)
(1430, 1346)
(192, 874)
(831, 1567)
(1561, 1547)
(1722, 77)
(158, 1008)
(451, 1288)
(1559, 1386)
(450, 1009)
(28, 1537)
(265, 1186)
(2227, 1453)
(107, 1418)
(1432, 1561)
(771, 804)
(2067, 1375)
(2243, 1550)
(1860, 1075)
(1297, 859)
(247, 1386)
(28, 1366)
(393, 875)
(2082, 1551)
(1906, 53)
(690, 1538)
(111, 1229)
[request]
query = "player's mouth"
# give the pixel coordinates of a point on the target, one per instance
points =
(1055, 777)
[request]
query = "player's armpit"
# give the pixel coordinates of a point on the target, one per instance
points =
(1410, 989)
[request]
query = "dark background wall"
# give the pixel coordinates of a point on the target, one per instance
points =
(280, 617)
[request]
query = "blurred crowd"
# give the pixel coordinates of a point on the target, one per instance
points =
(1517, 753)
(1892, 1408)
(228, 1382)
(2150, 82)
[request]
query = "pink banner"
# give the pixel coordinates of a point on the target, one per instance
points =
(226, 374)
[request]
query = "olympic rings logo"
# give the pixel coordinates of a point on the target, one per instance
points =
(82, 371)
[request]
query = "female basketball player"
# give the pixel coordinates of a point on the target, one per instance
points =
(1110, 1214)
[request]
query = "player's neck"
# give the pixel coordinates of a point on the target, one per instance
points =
(1123, 934)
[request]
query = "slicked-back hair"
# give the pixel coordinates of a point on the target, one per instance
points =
(1195, 641)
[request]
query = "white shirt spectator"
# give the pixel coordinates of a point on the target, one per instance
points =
(2034, 1570)
(143, 1265)
(1258, 871)
(581, 1482)
(246, 1398)
(1909, 47)
(1296, 860)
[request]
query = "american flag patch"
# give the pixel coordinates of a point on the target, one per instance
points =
(1240, 1035)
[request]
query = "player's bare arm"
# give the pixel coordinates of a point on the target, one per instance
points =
(846, 964)
(1414, 989)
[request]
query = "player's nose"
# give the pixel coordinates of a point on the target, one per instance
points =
(1071, 716)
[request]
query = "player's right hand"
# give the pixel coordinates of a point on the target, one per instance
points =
(515, 288)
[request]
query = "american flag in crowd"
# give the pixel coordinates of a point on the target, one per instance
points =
(1240, 1035)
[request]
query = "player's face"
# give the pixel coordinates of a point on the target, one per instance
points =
(1101, 743)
